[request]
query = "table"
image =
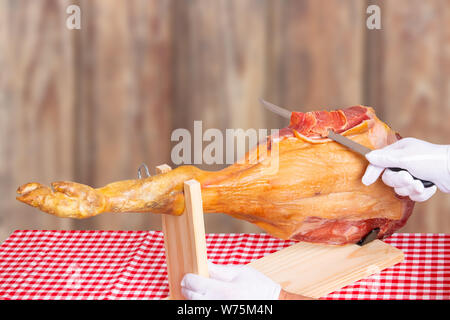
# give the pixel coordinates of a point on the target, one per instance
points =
(43, 264)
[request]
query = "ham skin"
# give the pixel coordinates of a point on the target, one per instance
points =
(313, 194)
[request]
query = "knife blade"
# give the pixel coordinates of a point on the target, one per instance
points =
(359, 148)
(362, 150)
(276, 109)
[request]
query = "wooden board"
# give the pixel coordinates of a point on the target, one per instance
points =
(316, 270)
(184, 238)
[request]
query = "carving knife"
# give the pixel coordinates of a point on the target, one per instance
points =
(338, 138)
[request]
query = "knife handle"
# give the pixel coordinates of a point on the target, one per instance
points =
(425, 183)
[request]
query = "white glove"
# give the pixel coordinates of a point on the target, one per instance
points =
(228, 282)
(422, 159)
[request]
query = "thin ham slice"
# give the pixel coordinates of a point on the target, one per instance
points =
(316, 124)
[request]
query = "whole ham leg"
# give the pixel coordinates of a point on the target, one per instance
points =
(309, 189)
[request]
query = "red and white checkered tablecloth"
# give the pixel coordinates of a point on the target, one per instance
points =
(36, 264)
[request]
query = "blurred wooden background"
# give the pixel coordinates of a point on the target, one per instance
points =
(90, 105)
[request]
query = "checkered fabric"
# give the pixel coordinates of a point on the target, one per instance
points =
(36, 264)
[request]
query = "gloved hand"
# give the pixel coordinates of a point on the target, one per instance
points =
(228, 282)
(422, 159)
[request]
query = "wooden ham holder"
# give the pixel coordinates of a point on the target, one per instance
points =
(312, 270)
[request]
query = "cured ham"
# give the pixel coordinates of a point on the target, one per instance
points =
(314, 193)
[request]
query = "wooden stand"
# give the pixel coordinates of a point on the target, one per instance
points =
(311, 270)
(184, 238)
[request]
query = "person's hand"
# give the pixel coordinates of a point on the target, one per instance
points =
(228, 282)
(422, 159)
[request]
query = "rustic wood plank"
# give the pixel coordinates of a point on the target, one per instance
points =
(219, 72)
(316, 53)
(411, 85)
(220, 63)
(315, 270)
(36, 107)
(125, 97)
(184, 238)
